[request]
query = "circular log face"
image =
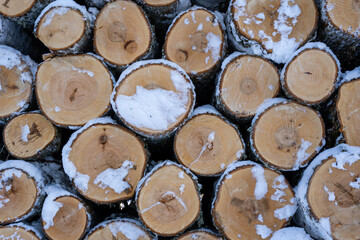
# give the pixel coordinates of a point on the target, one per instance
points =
(195, 41)
(61, 27)
(17, 232)
(70, 221)
(120, 230)
(240, 214)
(344, 15)
(122, 33)
(246, 82)
(114, 160)
(13, 8)
(160, 3)
(168, 202)
(200, 235)
(74, 89)
(287, 136)
(18, 194)
(334, 193)
(27, 134)
(348, 105)
(207, 144)
(311, 76)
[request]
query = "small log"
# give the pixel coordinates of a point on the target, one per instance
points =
(123, 34)
(201, 234)
(286, 135)
(104, 161)
(73, 89)
(153, 98)
(329, 194)
(21, 191)
(64, 215)
(168, 199)
(31, 136)
(119, 228)
(243, 85)
(311, 74)
(291, 233)
(207, 143)
(20, 231)
(251, 202)
(74, 21)
(274, 29)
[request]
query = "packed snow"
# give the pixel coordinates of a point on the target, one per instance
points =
(301, 154)
(214, 46)
(261, 187)
(25, 131)
(290, 233)
(287, 211)
(263, 231)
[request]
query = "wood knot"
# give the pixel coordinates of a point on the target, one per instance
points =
(181, 55)
(34, 132)
(167, 198)
(286, 136)
(117, 32)
(103, 139)
(248, 86)
(199, 42)
(131, 46)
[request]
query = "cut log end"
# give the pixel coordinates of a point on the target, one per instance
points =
(160, 3)
(200, 235)
(17, 232)
(12, 8)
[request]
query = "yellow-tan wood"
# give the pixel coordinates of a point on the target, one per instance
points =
(311, 76)
(41, 134)
(246, 82)
(18, 196)
(14, 91)
(236, 210)
(301, 29)
(14, 8)
(153, 76)
(169, 201)
(345, 15)
(101, 147)
(61, 27)
(344, 211)
(207, 144)
(74, 89)
(348, 109)
(17, 232)
(282, 132)
(104, 233)
(70, 221)
(159, 3)
(200, 235)
(122, 33)
(187, 41)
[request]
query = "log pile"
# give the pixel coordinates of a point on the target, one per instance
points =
(246, 128)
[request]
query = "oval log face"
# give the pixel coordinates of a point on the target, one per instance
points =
(17, 232)
(200, 235)
(14, 8)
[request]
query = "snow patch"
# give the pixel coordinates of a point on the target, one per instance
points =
(287, 211)
(331, 194)
(263, 231)
(301, 154)
(261, 187)
(214, 46)
(279, 185)
(355, 184)
(128, 229)
(89, 73)
(57, 109)
(56, 11)
(25, 130)
(291, 233)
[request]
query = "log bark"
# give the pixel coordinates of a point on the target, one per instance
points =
(286, 135)
(245, 208)
(104, 161)
(145, 88)
(168, 199)
(311, 74)
(122, 41)
(266, 28)
(245, 81)
(75, 22)
(21, 191)
(31, 136)
(73, 89)
(329, 194)
(20, 231)
(201, 234)
(207, 143)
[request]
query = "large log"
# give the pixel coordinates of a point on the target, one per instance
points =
(20, 231)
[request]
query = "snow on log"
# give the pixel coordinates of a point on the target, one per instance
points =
(104, 161)
(329, 194)
(252, 202)
(207, 143)
(20, 231)
(291, 233)
(201, 234)
(274, 29)
(73, 89)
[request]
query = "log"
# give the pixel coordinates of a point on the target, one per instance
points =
(104, 161)
(291, 233)
(153, 98)
(201, 234)
(31, 136)
(123, 34)
(21, 191)
(245, 81)
(329, 194)
(274, 29)
(251, 202)
(20, 231)
(16, 82)
(311, 74)
(64, 215)
(207, 143)
(119, 228)
(73, 89)
(168, 199)
(286, 135)
(75, 24)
